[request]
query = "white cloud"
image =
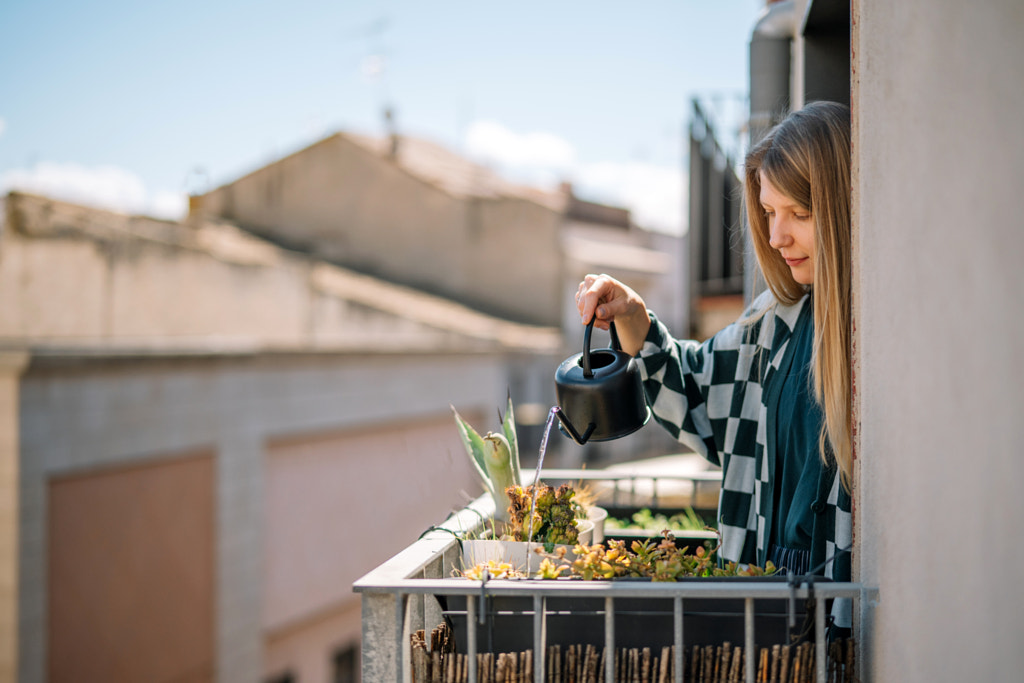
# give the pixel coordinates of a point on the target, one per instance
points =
(167, 204)
(654, 193)
(491, 142)
(106, 187)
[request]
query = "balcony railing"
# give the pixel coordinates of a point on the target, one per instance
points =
(405, 594)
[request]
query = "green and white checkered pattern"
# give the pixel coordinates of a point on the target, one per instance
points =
(713, 397)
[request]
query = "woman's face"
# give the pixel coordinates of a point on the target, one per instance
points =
(790, 230)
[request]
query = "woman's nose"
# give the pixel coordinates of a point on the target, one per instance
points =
(778, 234)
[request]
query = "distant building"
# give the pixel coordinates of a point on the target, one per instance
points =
(205, 438)
(412, 212)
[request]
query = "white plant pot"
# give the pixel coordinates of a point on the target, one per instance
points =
(597, 515)
(520, 554)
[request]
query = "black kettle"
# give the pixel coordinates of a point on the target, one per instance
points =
(600, 392)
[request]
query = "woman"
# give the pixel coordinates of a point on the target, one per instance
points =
(768, 398)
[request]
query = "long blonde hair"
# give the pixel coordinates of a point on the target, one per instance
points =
(807, 158)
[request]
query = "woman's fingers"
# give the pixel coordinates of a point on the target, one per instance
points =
(593, 291)
(606, 299)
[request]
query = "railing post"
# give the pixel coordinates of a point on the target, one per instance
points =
(677, 632)
(748, 640)
(609, 638)
(403, 652)
(540, 637)
(380, 661)
(819, 640)
(471, 637)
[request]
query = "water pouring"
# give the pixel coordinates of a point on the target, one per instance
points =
(600, 392)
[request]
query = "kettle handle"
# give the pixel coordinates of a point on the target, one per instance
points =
(587, 332)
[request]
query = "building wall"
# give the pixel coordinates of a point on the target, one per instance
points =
(308, 650)
(331, 498)
(363, 210)
(130, 573)
(334, 505)
(938, 145)
(286, 431)
(73, 275)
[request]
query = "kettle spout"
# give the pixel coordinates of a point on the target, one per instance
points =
(570, 430)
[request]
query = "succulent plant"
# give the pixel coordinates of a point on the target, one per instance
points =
(662, 561)
(552, 519)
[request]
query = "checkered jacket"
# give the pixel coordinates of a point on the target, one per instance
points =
(718, 397)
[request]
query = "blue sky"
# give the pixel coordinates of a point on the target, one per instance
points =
(129, 105)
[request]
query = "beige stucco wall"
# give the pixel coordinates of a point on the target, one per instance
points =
(939, 97)
(77, 276)
(355, 207)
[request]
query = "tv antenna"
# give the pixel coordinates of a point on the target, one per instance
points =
(373, 66)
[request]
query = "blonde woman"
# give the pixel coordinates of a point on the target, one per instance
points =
(768, 398)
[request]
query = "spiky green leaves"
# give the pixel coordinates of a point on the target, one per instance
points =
(495, 456)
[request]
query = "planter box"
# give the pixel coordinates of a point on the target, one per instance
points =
(639, 622)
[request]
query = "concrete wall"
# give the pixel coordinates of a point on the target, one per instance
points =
(335, 504)
(359, 208)
(72, 276)
(11, 366)
(938, 143)
(300, 435)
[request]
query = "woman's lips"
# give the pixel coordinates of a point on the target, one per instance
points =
(793, 262)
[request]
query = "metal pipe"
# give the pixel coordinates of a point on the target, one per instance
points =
(677, 609)
(819, 640)
(400, 638)
(748, 639)
(609, 638)
(471, 637)
(539, 637)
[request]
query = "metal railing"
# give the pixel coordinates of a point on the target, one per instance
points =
(399, 598)
(634, 498)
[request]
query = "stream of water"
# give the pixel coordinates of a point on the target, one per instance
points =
(540, 463)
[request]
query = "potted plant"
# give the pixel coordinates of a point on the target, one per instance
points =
(557, 519)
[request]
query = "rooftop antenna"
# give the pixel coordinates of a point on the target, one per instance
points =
(373, 68)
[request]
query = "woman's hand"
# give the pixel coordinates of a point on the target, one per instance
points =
(610, 300)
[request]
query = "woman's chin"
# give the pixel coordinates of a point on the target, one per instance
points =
(802, 276)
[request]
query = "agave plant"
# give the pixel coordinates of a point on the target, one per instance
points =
(495, 456)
